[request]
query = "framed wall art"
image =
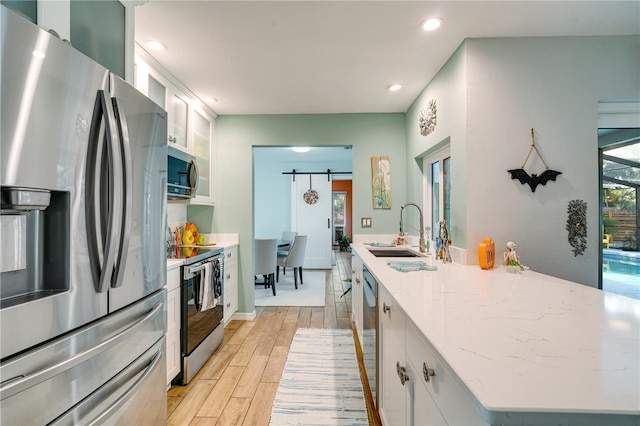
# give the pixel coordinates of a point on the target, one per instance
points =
(381, 182)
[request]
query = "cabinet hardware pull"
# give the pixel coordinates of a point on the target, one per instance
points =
(385, 308)
(402, 373)
(427, 372)
(228, 276)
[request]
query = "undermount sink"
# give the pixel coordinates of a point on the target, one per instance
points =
(394, 253)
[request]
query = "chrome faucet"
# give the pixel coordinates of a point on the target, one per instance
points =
(423, 245)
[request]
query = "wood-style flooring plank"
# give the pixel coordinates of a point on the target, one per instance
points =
(251, 377)
(317, 318)
(267, 340)
(275, 365)
(245, 351)
(260, 409)
(191, 403)
(235, 412)
(204, 421)
(221, 392)
(213, 369)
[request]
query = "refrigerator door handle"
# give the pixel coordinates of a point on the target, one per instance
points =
(114, 406)
(17, 384)
(125, 213)
(101, 229)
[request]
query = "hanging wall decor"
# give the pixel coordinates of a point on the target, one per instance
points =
(311, 196)
(534, 180)
(428, 119)
(577, 226)
(381, 182)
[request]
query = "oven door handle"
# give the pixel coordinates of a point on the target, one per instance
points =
(191, 270)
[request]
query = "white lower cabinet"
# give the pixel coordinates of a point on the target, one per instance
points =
(356, 296)
(417, 387)
(421, 409)
(392, 392)
(442, 387)
(173, 323)
(230, 283)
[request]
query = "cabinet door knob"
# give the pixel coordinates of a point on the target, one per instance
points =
(402, 373)
(427, 372)
(228, 276)
(385, 308)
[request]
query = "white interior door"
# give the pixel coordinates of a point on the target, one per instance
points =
(313, 219)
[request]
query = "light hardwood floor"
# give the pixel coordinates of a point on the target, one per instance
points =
(238, 384)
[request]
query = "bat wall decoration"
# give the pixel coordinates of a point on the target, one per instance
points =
(534, 180)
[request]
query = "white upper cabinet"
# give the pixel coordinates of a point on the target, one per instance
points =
(202, 137)
(189, 125)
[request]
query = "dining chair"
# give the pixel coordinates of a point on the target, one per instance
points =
(265, 261)
(293, 259)
(287, 237)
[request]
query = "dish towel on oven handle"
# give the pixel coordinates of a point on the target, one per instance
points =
(207, 295)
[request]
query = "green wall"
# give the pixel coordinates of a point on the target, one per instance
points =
(235, 135)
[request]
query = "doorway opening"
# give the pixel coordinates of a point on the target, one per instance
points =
(619, 153)
(276, 205)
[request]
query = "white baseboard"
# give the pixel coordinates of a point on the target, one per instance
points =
(244, 316)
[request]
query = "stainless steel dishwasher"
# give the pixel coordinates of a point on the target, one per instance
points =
(370, 330)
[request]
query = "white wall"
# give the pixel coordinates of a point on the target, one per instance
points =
(552, 85)
(449, 90)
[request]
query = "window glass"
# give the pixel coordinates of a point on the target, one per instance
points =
(446, 190)
(437, 178)
(435, 195)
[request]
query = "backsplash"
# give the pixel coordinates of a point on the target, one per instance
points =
(176, 215)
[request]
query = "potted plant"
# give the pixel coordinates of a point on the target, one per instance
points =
(344, 242)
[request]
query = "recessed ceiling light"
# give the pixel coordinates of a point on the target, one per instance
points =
(210, 100)
(395, 87)
(301, 149)
(156, 45)
(431, 24)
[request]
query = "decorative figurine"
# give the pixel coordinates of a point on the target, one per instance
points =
(511, 259)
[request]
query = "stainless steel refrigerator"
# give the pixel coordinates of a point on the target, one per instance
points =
(83, 162)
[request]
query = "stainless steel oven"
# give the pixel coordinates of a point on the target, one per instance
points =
(370, 330)
(201, 328)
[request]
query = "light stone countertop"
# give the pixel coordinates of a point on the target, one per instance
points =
(525, 344)
(222, 241)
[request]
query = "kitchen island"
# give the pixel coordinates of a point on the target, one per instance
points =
(522, 348)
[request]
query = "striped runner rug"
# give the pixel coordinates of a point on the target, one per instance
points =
(320, 384)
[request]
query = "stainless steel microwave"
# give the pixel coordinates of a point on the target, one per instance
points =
(182, 175)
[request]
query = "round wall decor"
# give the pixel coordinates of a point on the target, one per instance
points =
(311, 196)
(428, 119)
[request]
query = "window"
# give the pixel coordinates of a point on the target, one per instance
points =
(339, 215)
(437, 173)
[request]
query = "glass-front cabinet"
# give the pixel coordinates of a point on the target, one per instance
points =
(189, 126)
(202, 137)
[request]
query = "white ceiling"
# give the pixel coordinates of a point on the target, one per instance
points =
(297, 57)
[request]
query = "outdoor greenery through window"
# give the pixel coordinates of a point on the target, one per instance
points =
(620, 183)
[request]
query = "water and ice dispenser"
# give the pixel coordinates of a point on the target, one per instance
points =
(34, 257)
